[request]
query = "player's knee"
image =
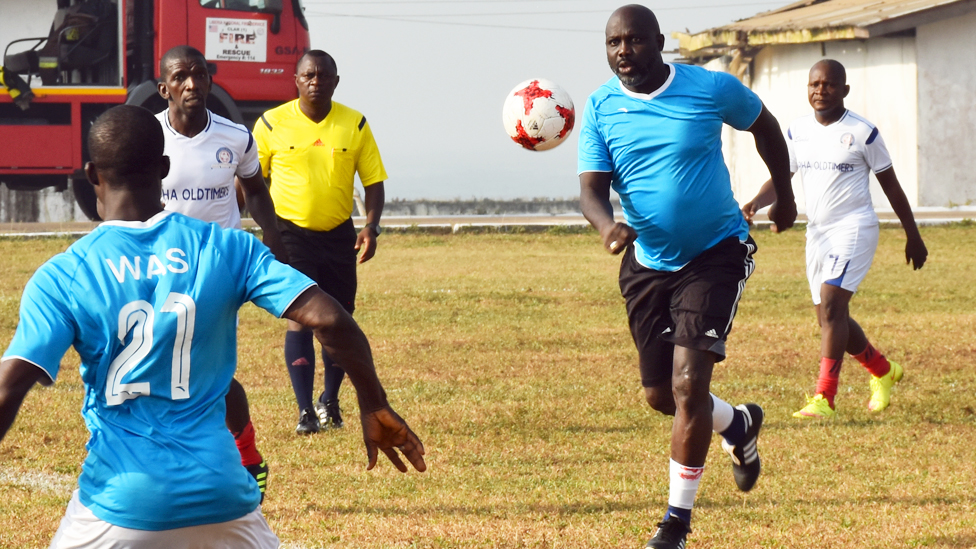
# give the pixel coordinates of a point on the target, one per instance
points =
(660, 398)
(689, 386)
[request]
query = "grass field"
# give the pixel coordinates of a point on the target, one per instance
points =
(510, 357)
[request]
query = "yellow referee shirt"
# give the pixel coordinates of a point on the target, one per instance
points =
(311, 166)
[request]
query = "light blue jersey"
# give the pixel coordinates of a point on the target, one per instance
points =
(151, 309)
(664, 151)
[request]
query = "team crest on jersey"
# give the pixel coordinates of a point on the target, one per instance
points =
(225, 158)
(847, 140)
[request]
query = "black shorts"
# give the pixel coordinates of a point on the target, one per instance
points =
(327, 257)
(692, 307)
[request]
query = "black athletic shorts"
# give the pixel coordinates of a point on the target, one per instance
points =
(692, 307)
(327, 257)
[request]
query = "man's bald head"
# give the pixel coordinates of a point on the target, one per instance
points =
(834, 68)
(638, 16)
(179, 53)
(126, 141)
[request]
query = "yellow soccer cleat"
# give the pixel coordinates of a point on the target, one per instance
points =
(817, 407)
(881, 387)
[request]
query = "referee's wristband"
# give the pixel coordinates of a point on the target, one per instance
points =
(375, 227)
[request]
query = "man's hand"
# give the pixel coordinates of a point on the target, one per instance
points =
(366, 241)
(618, 237)
(915, 252)
(386, 431)
(783, 215)
(750, 209)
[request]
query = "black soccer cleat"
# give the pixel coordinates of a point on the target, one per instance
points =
(746, 464)
(330, 417)
(308, 423)
(260, 474)
(671, 534)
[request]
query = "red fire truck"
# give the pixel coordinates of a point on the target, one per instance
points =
(100, 53)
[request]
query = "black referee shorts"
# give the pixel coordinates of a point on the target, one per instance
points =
(327, 257)
(692, 307)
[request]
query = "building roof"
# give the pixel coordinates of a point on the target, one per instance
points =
(818, 21)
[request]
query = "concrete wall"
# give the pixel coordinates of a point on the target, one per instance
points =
(882, 76)
(947, 110)
(44, 206)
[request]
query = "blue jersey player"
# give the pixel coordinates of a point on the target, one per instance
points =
(653, 134)
(149, 300)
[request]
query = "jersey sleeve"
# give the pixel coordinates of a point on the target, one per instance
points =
(738, 105)
(593, 152)
(369, 166)
(262, 142)
(249, 164)
(875, 153)
(47, 327)
(267, 283)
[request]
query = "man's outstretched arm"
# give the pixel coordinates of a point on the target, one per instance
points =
(347, 345)
(772, 148)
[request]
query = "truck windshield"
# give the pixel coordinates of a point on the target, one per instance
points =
(266, 6)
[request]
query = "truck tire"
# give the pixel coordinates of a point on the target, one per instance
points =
(146, 95)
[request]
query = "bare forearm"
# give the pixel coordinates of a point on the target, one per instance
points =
(595, 201)
(765, 196)
(16, 379)
(374, 200)
(899, 202)
(262, 209)
(343, 341)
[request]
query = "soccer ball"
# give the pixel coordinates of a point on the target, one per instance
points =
(538, 114)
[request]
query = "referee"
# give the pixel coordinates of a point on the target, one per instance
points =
(310, 150)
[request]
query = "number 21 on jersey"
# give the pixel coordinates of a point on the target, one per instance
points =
(137, 318)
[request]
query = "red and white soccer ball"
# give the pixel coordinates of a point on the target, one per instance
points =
(538, 114)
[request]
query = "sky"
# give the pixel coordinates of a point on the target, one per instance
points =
(431, 77)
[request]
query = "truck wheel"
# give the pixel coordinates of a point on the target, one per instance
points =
(146, 95)
(85, 197)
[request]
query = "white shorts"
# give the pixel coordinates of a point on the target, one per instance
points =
(840, 256)
(80, 528)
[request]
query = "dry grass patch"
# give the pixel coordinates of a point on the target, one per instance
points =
(510, 356)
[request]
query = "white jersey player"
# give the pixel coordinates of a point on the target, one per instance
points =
(207, 153)
(834, 150)
(200, 183)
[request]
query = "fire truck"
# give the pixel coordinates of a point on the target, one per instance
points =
(94, 54)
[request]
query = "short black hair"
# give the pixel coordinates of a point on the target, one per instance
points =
(178, 52)
(126, 140)
(835, 67)
(318, 54)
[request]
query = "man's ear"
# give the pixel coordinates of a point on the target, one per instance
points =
(91, 173)
(164, 166)
(163, 92)
(847, 89)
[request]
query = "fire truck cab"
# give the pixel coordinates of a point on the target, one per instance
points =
(67, 61)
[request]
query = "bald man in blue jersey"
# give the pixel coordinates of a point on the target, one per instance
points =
(653, 134)
(149, 300)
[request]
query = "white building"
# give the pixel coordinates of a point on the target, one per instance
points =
(910, 65)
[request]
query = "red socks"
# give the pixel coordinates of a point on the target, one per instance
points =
(829, 376)
(873, 361)
(247, 447)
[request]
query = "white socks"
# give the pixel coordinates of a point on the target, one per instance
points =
(684, 485)
(722, 414)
